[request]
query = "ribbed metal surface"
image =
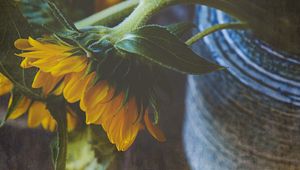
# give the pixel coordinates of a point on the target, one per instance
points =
(247, 117)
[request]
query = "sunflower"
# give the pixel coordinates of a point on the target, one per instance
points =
(114, 91)
(38, 114)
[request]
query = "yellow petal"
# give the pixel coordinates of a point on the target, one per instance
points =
(52, 124)
(93, 114)
(5, 85)
(76, 86)
(69, 65)
(127, 142)
(59, 90)
(22, 44)
(37, 112)
(116, 126)
(26, 63)
(38, 79)
(21, 107)
(45, 81)
(48, 46)
(46, 64)
(153, 130)
(71, 121)
(107, 116)
(129, 127)
(49, 123)
(101, 112)
(46, 123)
(35, 54)
(96, 94)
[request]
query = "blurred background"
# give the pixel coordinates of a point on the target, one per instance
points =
(28, 149)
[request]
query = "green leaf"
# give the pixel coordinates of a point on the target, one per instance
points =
(13, 26)
(157, 45)
(179, 29)
(36, 11)
(59, 15)
(45, 18)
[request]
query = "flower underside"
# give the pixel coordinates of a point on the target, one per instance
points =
(114, 90)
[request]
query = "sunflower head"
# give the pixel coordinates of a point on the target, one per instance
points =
(116, 90)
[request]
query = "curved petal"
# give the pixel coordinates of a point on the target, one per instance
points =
(76, 86)
(26, 63)
(153, 130)
(46, 81)
(72, 64)
(37, 112)
(49, 123)
(20, 109)
(22, 44)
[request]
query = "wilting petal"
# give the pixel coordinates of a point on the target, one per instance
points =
(153, 130)
(20, 108)
(37, 112)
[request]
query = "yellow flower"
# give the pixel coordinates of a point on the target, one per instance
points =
(64, 73)
(38, 114)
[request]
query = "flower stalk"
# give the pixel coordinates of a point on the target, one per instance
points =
(213, 29)
(55, 105)
(145, 9)
(109, 16)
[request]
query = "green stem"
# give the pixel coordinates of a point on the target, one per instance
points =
(148, 8)
(62, 143)
(22, 87)
(213, 29)
(139, 16)
(109, 16)
(56, 106)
